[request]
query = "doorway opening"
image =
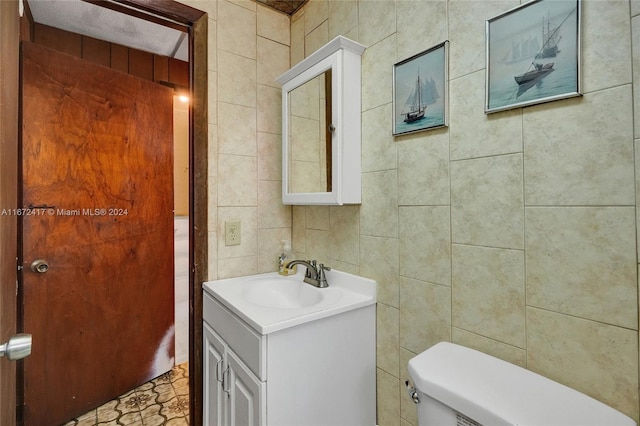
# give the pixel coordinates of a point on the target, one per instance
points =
(167, 13)
(181, 225)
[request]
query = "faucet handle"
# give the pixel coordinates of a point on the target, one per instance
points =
(323, 268)
(322, 278)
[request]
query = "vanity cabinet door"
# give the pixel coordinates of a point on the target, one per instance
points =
(214, 368)
(247, 402)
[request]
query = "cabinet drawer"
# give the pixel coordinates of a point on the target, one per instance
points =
(246, 343)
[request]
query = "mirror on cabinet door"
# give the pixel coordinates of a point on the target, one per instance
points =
(309, 141)
(321, 127)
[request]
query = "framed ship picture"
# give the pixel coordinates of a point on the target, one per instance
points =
(533, 54)
(420, 86)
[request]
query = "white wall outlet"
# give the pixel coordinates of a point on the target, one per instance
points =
(232, 233)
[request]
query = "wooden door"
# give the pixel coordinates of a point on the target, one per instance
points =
(98, 207)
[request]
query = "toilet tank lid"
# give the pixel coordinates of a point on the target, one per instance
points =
(494, 392)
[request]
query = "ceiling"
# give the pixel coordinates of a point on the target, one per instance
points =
(83, 17)
(286, 6)
(88, 19)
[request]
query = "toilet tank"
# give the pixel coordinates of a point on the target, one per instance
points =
(460, 386)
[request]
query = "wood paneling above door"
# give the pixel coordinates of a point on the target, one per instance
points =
(142, 64)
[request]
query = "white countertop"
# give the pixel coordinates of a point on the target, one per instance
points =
(345, 292)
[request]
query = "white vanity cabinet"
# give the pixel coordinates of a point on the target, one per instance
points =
(320, 372)
(233, 394)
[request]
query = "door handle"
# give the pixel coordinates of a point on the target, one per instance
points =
(226, 379)
(40, 266)
(18, 347)
(219, 370)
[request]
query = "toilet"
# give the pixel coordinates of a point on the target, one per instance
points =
(457, 386)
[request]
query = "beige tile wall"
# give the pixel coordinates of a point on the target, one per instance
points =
(248, 47)
(513, 233)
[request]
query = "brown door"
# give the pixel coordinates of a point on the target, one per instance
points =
(98, 209)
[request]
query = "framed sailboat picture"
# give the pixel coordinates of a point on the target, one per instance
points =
(420, 91)
(533, 54)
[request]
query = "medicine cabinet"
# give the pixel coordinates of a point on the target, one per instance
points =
(321, 126)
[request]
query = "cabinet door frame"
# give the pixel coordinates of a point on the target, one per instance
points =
(214, 366)
(244, 386)
(228, 381)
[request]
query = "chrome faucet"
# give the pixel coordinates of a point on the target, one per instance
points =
(315, 272)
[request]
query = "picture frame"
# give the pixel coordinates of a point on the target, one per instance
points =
(420, 91)
(533, 54)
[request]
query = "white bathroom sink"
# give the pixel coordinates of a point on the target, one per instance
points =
(281, 293)
(271, 302)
